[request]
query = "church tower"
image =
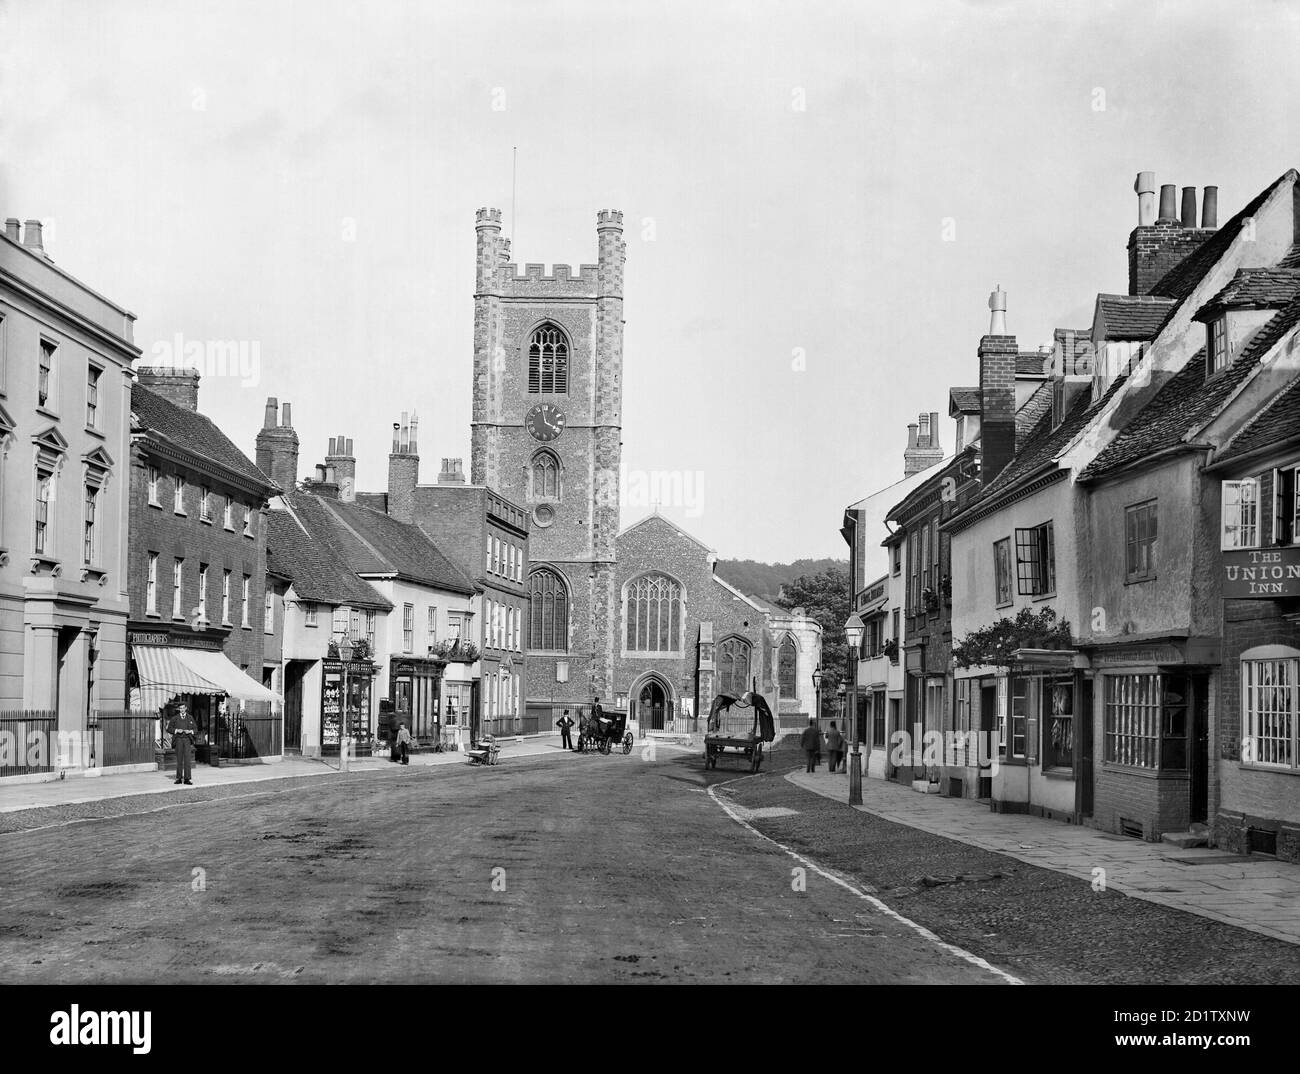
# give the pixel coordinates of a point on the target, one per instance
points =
(546, 432)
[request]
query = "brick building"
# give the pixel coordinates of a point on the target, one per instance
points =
(197, 572)
(636, 617)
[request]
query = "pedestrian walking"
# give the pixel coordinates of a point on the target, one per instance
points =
(834, 747)
(811, 741)
(404, 743)
(182, 729)
(564, 723)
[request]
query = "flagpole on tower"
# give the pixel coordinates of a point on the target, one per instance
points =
(514, 169)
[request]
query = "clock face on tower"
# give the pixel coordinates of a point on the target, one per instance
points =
(545, 422)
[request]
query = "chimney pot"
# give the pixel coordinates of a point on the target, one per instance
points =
(998, 315)
(1189, 206)
(287, 422)
(272, 409)
(331, 450)
(1168, 206)
(1210, 207)
(1145, 185)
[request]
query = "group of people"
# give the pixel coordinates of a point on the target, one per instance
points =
(812, 741)
(592, 725)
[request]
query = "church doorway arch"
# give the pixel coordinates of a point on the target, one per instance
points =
(652, 703)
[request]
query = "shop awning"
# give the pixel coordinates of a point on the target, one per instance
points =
(216, 667)
(162, 676)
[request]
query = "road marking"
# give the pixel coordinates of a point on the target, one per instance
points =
(921, 930)
(765, 813)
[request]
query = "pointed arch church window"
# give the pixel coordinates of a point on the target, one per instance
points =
(548, 361)
(654, 615)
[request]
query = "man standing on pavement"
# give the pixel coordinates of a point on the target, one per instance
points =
(834, 748)
(811, 741)
(404, 743)
(182, 729)
(564, 723)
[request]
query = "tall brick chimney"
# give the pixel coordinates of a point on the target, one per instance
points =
(997, 353)
(176, 384)
(1157, 244)
(923, 449)
(277, 447)
(344, 465)
(403, 469)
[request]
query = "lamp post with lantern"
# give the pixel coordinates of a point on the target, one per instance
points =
(854, 629)
(817, 689)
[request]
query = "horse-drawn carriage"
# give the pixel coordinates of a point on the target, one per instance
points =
(602, 733)
(740, 724)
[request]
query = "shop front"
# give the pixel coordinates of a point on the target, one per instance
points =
(347, 707)
(1150, 735)
(168, 668)
(415, 689)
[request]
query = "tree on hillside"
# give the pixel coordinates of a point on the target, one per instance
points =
(825, 597)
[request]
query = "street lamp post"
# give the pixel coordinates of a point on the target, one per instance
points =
(817, 689)
(345, 740)
(854, 629)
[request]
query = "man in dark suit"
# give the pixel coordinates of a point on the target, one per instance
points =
(564, 723)
(811, 742)
(183, 729)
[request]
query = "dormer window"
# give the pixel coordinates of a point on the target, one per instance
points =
(1217, 353)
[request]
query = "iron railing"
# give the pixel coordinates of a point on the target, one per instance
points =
(119, 738)
(28, 741)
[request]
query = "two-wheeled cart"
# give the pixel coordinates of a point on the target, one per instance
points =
(738, 727)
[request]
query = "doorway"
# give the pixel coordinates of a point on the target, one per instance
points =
(652, 706)
(294, 671)
(1199, 762)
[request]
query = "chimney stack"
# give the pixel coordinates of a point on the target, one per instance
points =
(343, 464)
(1157, 246)
(997, 355)
(11, 229)
(1210, 208)
(32, 237)
(176, 384)
(452, 472)
(923, 449)
(277, 447)
(403, 470)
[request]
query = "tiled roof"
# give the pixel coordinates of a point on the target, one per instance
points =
(1180, 280)
(1028, 416)
(1188, 400)
(317, 571)
(1254, 288)
(1031, 363)
(374, 543)
(963, 400)
(1133, 316)
(1277, 422)
(1043, 444)
(376, 501)
(160, 417)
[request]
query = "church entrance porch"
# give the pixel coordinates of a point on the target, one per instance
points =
(650, 704)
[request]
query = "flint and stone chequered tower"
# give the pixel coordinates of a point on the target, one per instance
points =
(556, 341)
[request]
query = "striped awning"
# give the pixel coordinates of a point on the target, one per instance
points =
(215, 666)
(162, 675)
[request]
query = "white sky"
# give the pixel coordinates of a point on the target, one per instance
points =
(199, 162)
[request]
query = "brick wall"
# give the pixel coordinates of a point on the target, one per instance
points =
(1155, 249)
(1158, 801)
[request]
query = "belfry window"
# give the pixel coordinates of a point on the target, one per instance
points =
(548, 361)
